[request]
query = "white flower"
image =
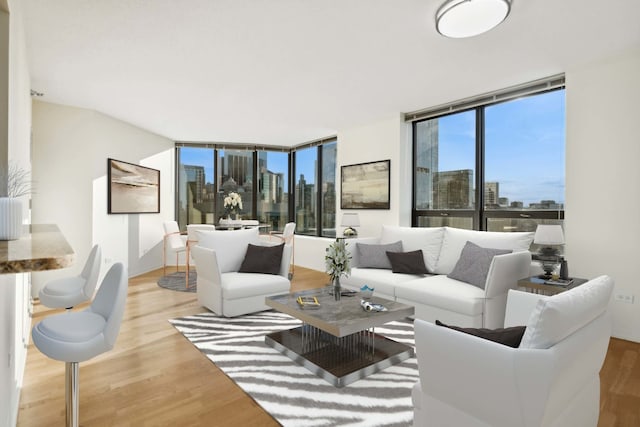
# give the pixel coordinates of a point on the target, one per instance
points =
(232, 201)
(337, 259)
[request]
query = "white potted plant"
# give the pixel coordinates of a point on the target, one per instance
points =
(233, 205)
(14, 183)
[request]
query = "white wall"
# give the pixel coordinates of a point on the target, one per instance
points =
(603, 180)
(14, 288)
(71, 147)
(385, 139)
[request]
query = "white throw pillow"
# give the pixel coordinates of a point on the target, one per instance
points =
(230, 246)
(428, 239)
(455, 239)
(560, 315)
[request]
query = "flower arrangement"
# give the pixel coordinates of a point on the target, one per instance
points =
(232, 203)
(337, 260)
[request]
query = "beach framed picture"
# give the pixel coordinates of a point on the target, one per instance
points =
(132, 188)
(366, 185)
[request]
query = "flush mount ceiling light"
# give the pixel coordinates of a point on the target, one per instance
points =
(468, 18)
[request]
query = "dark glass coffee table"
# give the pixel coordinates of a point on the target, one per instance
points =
(337, 340)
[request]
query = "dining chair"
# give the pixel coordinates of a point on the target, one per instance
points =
(172, 238)
(192, 239)
(288, 237)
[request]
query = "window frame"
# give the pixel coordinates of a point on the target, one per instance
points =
(480, 215)
(291, 151)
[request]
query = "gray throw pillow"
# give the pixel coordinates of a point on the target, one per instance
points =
(473, 265)
(262, 259)
(375, 256)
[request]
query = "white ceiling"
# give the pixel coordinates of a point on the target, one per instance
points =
(284, 72)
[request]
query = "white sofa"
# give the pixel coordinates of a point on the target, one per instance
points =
(221, 288)
(436, 296)
(550, 380)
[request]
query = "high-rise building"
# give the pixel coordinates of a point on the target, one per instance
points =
(491, 194)
(426, 163)
(453, 189)
(196, 180)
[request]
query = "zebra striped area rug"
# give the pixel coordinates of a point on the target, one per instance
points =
(291, 393)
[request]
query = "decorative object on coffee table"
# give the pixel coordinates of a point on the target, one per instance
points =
(337, 262)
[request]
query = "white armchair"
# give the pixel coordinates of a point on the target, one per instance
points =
(552, 379)
(221, 288)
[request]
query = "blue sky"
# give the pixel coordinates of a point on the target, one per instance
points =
(524, 148)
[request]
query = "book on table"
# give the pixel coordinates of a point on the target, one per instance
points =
(308, 302)
(559, 282)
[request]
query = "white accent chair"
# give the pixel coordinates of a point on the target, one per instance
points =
(174, 240)
(76, 336)
(221, 288)
(288, 237)
(552, 379)
(67, 292)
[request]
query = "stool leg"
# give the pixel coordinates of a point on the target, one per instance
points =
(72, 390)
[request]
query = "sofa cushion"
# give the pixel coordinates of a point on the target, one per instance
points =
(428, 239)
(560, 315)
(407, 262)
(455, 239)
(383, 281)
(375, 256)
(507, 336)
(262, 259)
(442, 292)
(474, 263)
(244, 285)
(230, 246)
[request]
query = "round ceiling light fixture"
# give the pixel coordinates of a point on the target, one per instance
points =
(467, 18)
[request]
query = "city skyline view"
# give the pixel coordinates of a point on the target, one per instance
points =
(524, 146)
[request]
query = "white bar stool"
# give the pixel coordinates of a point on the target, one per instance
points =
(67, 292)
(76, 336)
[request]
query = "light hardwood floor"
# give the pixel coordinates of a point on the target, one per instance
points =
(155, 377)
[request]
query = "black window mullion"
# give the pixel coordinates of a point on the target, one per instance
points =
(319, 193)
(478, 220)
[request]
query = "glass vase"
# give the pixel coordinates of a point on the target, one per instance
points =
(337, 289)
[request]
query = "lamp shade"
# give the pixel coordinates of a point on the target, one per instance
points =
(549, 235)
(468, 18)
(350, 220)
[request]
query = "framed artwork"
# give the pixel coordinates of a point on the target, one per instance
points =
(365, 185)
(132, 188)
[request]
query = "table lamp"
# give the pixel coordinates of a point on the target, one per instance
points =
(350, 220)
(549, 237)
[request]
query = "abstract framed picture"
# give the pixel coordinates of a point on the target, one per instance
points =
(366, 185)
(132, 188)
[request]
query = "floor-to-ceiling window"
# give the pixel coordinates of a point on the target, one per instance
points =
(306, 191)
(195, 186)
(328, 190)
(235, 172)
(272, 191)
(497, 166)
(315, 189)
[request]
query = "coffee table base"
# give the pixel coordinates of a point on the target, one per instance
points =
(336, 363)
